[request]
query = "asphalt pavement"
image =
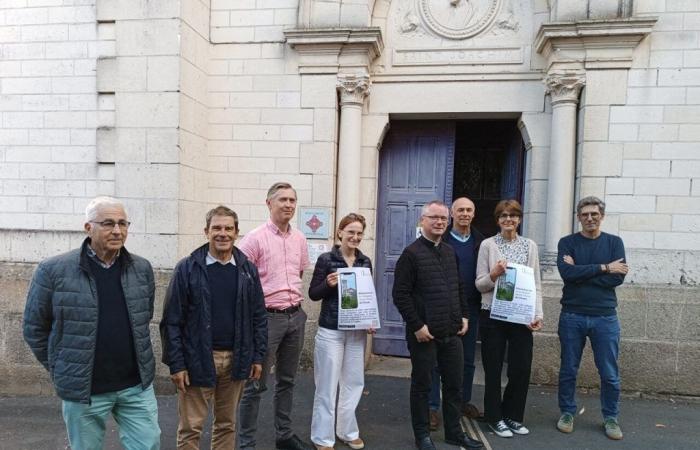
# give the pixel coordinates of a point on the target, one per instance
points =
(34, 423)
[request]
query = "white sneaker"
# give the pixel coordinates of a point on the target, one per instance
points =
(516, 427)
(501, 429)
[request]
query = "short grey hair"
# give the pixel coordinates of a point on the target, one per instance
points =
(275, 188)
(591, 200)
(99, 202)
(424, 209)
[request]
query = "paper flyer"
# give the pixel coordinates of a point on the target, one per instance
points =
(515, 295)
(357, 299)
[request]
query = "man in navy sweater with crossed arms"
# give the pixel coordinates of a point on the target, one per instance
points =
(591, 263)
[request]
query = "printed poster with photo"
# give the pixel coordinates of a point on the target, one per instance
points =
(515, 295)
(357, 299)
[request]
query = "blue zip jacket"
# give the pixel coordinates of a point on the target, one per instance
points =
(186, 324)
(60, 318)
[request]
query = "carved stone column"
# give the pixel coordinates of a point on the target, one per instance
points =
(352, 88)
(564, 89)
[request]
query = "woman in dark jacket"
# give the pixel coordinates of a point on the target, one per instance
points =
(339, 356)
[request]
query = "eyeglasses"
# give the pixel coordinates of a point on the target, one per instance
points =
(437, 218)
(109, 224)
(593, 215)
(506, 216)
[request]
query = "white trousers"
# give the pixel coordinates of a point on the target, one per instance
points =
(339, 359)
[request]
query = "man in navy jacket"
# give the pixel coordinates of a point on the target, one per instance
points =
(214, 332)
(591, 264)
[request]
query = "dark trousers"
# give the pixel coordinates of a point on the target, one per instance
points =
(285, 339)
(495, 336)
(448, 353)
(469, 347)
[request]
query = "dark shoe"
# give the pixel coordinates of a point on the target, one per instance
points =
(434, 420)
(425, 444)
(515, 426)
(470, 411)
(463, 440)
(501, 429)
(293, 443)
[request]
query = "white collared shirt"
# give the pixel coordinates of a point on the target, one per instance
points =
(211, 260)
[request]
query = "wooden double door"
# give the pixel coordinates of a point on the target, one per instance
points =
(422, 161)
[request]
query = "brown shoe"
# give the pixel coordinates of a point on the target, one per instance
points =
(321, 447)
(434, 420)
(470, 411)
(355, 444)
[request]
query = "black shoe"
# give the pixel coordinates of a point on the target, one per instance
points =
(463, 440)
(293, 443)
(425, 443)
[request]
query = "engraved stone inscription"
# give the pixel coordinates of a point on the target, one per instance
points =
(457, 56)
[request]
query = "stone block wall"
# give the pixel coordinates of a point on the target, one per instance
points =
(142, 144)
(266, 122)
(660, 349)
(49, 111)
(660, 346)
(194, 163)
(640, 146)
(89, 104)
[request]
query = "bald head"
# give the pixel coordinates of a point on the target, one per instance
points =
(463, 212)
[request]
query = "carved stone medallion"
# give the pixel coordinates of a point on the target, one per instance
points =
(458, 19)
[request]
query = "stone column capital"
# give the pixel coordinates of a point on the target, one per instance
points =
(353, 88)
(564, 87)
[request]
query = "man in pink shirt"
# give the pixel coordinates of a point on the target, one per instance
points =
(281, 255)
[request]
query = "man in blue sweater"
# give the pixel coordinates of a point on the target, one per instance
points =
(591, 264)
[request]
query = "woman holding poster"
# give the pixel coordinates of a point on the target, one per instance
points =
(505, 414)
(339, 356)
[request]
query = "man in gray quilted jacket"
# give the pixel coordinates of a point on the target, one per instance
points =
(87, 321)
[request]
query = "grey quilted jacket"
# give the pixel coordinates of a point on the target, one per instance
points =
(60, 319)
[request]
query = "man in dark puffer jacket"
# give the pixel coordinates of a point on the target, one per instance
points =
(430, 297)
(87, 321)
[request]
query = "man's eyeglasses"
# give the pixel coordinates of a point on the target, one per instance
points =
(109, 224)
(437, 218)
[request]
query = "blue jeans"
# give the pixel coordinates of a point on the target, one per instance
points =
(469, 348)
(604, 334)
(134, 409)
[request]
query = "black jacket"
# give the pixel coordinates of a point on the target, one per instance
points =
(318, 289)
(186, 324)
(427, 289)
(470, 290)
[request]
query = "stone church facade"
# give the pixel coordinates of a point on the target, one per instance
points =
(363, 105)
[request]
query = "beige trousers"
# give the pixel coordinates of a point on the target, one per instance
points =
(193, 408)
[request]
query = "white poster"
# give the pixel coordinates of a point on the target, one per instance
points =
(515, 295)
(357, 299)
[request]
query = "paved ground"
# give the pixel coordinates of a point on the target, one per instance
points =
(35, 423)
